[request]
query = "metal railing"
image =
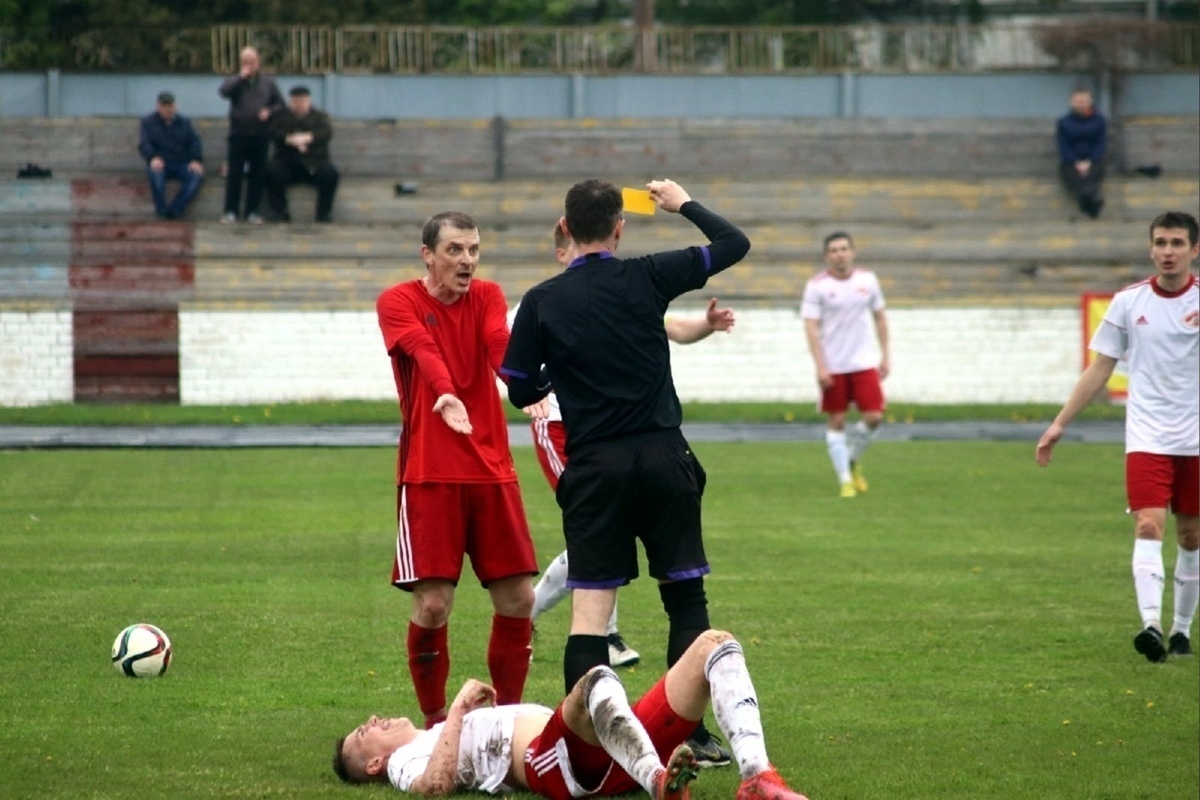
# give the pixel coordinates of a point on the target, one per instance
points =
(389, 49)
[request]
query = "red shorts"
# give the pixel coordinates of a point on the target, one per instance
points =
(439, 523)
(864, 389)
(550, 444)
(561, 766)
(1157, 481)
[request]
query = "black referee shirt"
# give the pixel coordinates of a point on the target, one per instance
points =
(597, 328)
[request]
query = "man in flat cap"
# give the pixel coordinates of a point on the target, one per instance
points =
(301, 135)
(171, 148)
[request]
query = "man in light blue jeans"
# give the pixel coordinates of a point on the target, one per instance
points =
(171, 148)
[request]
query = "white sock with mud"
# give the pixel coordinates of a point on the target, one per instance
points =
(622, 736)
(861, 436)
(839, 454)
(1187, 590)
(552, 588)
(735, 705)
(1148, 580)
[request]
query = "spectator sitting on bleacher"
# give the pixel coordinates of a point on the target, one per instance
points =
(171, 148)
(301, 134)
(1082, 139)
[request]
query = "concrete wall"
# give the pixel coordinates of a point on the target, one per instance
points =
(441, 97)
(968, 355)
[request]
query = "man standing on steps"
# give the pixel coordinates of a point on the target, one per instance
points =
(1156, 323)
(253, 99)
(839, 305)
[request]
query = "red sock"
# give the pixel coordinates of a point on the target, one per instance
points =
(508, 656)
(429, 665)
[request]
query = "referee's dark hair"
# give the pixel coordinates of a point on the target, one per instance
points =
(458, 220)
(835, 236)
(593, 209)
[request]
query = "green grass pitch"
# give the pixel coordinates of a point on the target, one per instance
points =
(961, 631)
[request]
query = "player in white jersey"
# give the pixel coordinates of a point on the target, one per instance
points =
(840, 304)
(594, 743)
(550, 445)
(1156, 323)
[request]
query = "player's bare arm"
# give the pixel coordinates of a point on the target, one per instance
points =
(881, 331)
(812, 332)
(439, 778)
(1088, 386)
(453, 413)
(690, 331)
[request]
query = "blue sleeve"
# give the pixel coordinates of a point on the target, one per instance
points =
(146, 140)
(195, 151)
(1064, 147)
(1099, 140)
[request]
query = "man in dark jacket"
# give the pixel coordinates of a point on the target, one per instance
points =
(1082, 139)
(253, 99)
(171, 148)
(301, 134)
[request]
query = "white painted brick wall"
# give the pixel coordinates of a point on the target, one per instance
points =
(985, 355)
(281, 356)
(36, 366)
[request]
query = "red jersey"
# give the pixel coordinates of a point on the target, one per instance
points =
(453, 349)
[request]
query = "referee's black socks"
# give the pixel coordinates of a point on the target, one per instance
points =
(581, 654)
(687, 613)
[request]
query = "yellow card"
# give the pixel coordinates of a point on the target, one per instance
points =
(637, 201)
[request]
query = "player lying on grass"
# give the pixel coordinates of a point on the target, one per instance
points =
(594, 743)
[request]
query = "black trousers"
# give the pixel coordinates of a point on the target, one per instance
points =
(282, 173)
(246, 159)
(1084, 188)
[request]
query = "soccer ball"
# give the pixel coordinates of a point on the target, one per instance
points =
(141, 651)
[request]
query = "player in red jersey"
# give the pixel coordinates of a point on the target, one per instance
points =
(457, 495)
(840, 303)
(1156, 323)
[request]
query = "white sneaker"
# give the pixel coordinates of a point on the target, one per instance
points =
(254, 219)
(619, 653)
(228, 218)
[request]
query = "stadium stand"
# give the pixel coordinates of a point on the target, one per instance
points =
(947, 212)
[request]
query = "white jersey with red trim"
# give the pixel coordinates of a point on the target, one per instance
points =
(484, 750)
(845, 308)
(555, 414)
(1160, 331)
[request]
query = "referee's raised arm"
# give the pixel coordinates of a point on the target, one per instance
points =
(727, 244)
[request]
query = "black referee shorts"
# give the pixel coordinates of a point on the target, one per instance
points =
(646, 486)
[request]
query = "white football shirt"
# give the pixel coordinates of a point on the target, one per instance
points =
(845, 308)
(1161, 334)
(484, 751)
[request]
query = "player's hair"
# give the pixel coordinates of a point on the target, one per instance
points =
(834, 236)
(457, 220)
(339, 762)
(593, 209)
(561, 240)
(1177, 219)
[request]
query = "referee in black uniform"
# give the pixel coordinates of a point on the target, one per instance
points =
(594, 333)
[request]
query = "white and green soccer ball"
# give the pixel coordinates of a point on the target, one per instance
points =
(141, 651)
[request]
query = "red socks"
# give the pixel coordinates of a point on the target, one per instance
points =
(429, 665)
(508, 656)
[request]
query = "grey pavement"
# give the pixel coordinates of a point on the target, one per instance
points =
(218, 436)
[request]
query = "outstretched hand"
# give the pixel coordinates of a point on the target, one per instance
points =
(669, 195)
(454, 413)
(719, 319)
(1046, 444)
